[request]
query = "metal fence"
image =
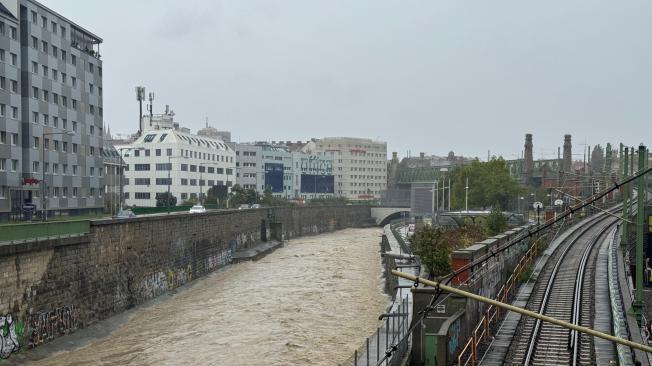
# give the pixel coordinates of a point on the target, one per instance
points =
(390, 333)
(34, 230)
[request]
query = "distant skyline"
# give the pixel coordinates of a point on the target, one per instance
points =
(424, 76)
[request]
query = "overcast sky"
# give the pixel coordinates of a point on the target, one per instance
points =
(433, 76)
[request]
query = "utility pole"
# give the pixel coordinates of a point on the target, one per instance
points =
(624, 239)
(640, 222)
(466, 194)
(449, 193)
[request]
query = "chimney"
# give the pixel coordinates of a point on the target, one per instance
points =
(566, 163)
(528, 160)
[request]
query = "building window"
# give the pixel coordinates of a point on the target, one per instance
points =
(184, 181)
(168, 152)
(3, 137)
(34, 43)
(163, 181)
(14, 59)
(164, 166)
(14, 165)
(141, 167)
(141, 195)
(35, 167)
(184, 167)
(158, 152)
(36, 143)
(14, 86)
(14, 33)
(73, 59)
(34, 17)
(14, 139)
(147, 152)
(141, 181)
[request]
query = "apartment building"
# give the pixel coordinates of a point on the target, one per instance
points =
(359, 165)
(50, 111)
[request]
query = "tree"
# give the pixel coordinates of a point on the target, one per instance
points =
(496, 222)
(489, 184)
(270, 200)
(240, 196)
(164, 199)
(430, 245)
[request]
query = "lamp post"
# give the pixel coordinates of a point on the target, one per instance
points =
(200, 179)
(167, 199)
(43, 183)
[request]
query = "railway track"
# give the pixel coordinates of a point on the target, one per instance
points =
(559, 293)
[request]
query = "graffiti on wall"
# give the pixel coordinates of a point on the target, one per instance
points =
(153, 285)
(218, 260)
(11, 330)
(47, 325)
(453, 337)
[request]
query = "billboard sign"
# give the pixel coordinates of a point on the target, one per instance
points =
(274, 177)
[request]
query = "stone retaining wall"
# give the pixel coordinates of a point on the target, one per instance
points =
(50, 288)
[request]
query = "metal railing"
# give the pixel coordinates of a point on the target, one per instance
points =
(492, 316)
(394, 327)
(391, 332)
(12, 232)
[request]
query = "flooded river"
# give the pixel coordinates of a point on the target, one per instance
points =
(311, 302)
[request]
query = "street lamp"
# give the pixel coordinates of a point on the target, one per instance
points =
(167, 199)
(200, 179)
(43, 183)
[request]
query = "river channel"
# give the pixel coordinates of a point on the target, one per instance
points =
(311, 302)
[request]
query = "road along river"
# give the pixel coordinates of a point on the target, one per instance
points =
(311, 302)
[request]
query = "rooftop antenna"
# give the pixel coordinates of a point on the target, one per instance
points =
(151, 108)
(140, 96)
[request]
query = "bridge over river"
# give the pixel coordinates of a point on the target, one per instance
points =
(310, 302)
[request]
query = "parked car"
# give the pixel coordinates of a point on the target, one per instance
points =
(124, 214)
(243, 206)
(197, 209)
(255, 205)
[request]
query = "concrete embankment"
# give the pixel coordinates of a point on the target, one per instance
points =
(50, 288)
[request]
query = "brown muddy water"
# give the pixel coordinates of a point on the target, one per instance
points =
(311, 302)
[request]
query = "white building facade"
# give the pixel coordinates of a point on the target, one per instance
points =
(359, 165)
(189, 164)
(292, 175)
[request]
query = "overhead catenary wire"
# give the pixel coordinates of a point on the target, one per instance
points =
(529, 233)
(525, 312)
(449, 277)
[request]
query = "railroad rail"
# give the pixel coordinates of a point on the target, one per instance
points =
(559, 294)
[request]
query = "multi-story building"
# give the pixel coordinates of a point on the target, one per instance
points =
(260, 165)
(50, 111)
(113, 177)
(359, 165)
(189, 164)
(288, 174)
